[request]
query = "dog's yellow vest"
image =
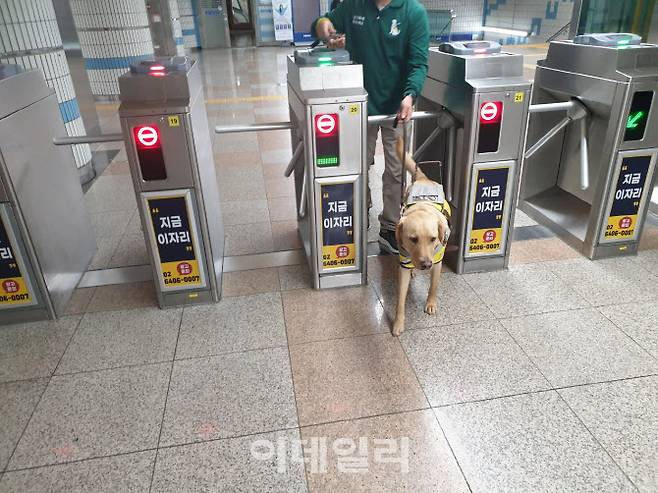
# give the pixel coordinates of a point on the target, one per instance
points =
(432, 193)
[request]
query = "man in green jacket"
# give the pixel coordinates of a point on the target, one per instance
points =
(390, 38)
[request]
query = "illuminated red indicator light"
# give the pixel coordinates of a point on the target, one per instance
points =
(147, 136)
(157, 74)
(491, 112)
(326, 125)
(156, 68)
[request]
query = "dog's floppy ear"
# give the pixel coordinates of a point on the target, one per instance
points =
(398, 231)
(444, 231)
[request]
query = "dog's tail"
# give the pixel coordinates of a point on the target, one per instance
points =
(409, 163)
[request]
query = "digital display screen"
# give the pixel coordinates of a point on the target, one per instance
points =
(327, 140)
(491, 117)
(638, 115)
(149, 152)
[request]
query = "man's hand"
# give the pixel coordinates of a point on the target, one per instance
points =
(406, 109)
(325, 29)
(336, 42)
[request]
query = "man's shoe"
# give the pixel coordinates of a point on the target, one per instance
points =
(387, 242)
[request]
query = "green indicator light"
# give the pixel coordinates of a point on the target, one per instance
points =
(324, 59)
(623, 42)
(327, 161)
(634, 119)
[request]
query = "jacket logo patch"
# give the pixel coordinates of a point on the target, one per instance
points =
(395, 28)
(358, 20)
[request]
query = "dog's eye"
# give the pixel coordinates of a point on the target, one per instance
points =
(413, 239)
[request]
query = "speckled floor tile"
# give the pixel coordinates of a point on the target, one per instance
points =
(234, 324)
(353, 378)
(607, 281)
(521, 219)
(105, 248)
(248, 282)
(399, 452)
(236, 142)
(579, 346)
(245, 240)
(330, 314)
(132, 250)
(122, 338)
(230, 465)
(523, 290)
(95, 414)
(638, 320)
(129, 473)
(283, 208)
(240, 159)
(649, 240)
(541, 250)
(110, 223)
(648, 260)
(623, 416)
(458, 303)
(280, 187)
(294, 277)
(230, 395)
(531, 443)
(241, 184)
(16, 405)
(245, 212)
(123, 297)
(285, 236)
(33, 350)
(111, 193)
(460, 363)
(79, 301)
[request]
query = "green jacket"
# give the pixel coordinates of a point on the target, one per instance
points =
(391, 44)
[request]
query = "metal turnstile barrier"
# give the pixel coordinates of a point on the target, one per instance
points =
(481, 144)
(328, 111)
(165, 128)
(46, 236)
(591, 183)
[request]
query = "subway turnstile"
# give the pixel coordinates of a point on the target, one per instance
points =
(591, 183)
(328, 110)
(165, 127)
(46, 237)
(484, 91)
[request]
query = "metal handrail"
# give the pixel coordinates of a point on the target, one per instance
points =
(416, 115)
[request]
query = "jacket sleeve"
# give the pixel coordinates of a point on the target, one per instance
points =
(419, 44)
(337, 18)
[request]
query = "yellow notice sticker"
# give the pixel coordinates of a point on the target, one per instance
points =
(354, 109)
(174, 121)
(518, 97)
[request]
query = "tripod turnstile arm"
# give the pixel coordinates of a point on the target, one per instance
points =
(416, 115)
(302, 197)
(450, 163)
(253, 127)
(295, 157)
(548, 136)
(87, 139)
(584, 155)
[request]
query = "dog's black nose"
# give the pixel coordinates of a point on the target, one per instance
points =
(426, 264)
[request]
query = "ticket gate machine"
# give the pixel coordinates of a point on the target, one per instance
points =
(598, 207)
(484, 90)
(165, 127)
(328, 111)
(46, 237)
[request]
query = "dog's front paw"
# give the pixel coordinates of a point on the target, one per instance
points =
(431, 307)
(398, 327)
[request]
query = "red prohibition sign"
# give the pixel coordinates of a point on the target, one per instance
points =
(489, 111)
(326, 124)
(147, 136)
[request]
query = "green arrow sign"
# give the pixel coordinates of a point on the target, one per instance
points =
(634, 119)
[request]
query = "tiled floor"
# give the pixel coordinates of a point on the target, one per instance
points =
(541, 378)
